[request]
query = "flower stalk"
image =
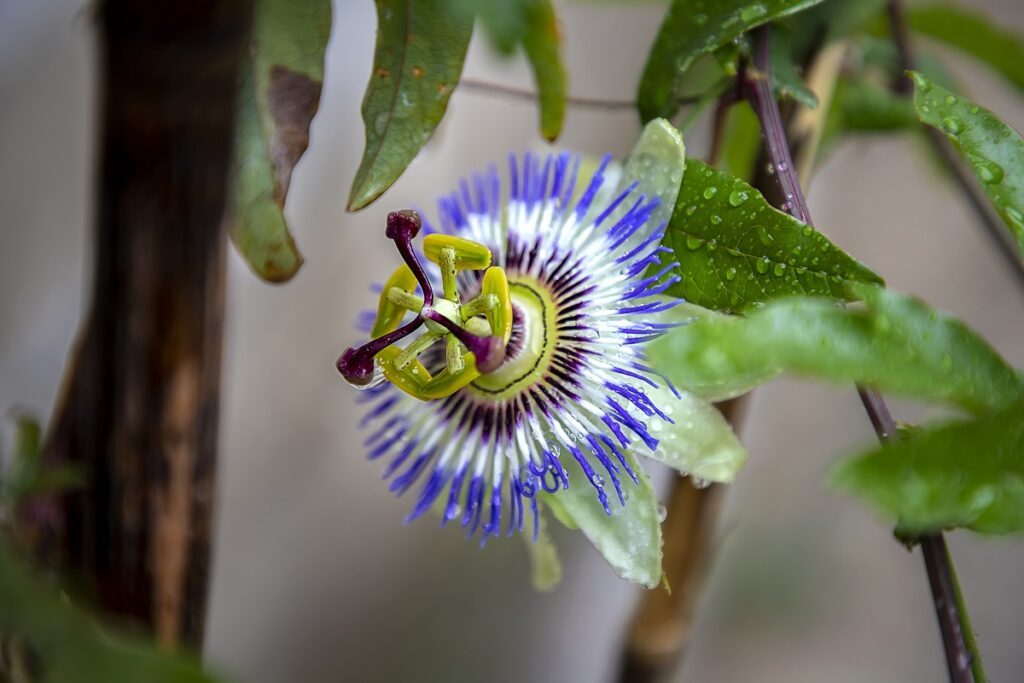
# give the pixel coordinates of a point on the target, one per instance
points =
(960, 656)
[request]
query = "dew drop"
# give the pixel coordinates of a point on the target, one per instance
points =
(380, 124)
(808, 231)
(737, 197)
(975, 110)
(730, 274)
(597, 480)
(700, 483)
(952, 125)
(691, 209)
(761, 265)
(779, 269)
(921, 83)
(694, 243)
(988, 171)
(752, 12)
(710, 192)
(951, 99)
(662, 513)
(712, 245)
(764, 235)
(716, 219)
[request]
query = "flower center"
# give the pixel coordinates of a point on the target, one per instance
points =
(532, 346)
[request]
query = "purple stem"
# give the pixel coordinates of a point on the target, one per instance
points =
(759, 93)
(402, 227)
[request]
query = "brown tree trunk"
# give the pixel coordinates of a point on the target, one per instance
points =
(140, 406)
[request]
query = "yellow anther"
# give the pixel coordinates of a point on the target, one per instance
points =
(500, 316)
(469, 255)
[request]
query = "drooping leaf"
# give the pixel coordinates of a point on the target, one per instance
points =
(994, 151)
(895, 343)
(278, 97)
(973, 33)
(629, 539)
(692, 28)
(417, 62)
(533, 25)
(965, 474)
(542, 44)
(70, 645)
(546, 569)
(735, 250)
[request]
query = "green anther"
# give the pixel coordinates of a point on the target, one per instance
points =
(405, 300)
(411, 352)
(450, 285)
(453, 355)
(479, 306)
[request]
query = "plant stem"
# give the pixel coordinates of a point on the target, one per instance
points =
(524, 94)
(962, 177)
(960, 657)
(139, 414)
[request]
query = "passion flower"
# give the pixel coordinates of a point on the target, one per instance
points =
(523, 374)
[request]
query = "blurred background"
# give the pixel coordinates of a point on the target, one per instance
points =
(315, 577)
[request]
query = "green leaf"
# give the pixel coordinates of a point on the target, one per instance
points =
(278, 97)
(542, 44)
(896, 343)
(421, 47)
(786, 73)
(700, 442)
(629, 539)
(546, 568)
(692, 28)
(973, 33)
(994, 151)
(964, 474)
(735, 250)
(533, 25)
(70, 645)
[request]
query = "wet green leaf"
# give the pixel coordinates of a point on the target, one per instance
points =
(421, 47)
(994, 151)
(895, 343)
(70, 645)
(973, 33)
(546, 569)
(964, 474)
(629, 539)
(692, 28)
(278, 97)
(735, 250)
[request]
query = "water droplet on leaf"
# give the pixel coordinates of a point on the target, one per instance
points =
(737, 197)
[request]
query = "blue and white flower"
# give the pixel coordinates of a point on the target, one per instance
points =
(567, 400)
